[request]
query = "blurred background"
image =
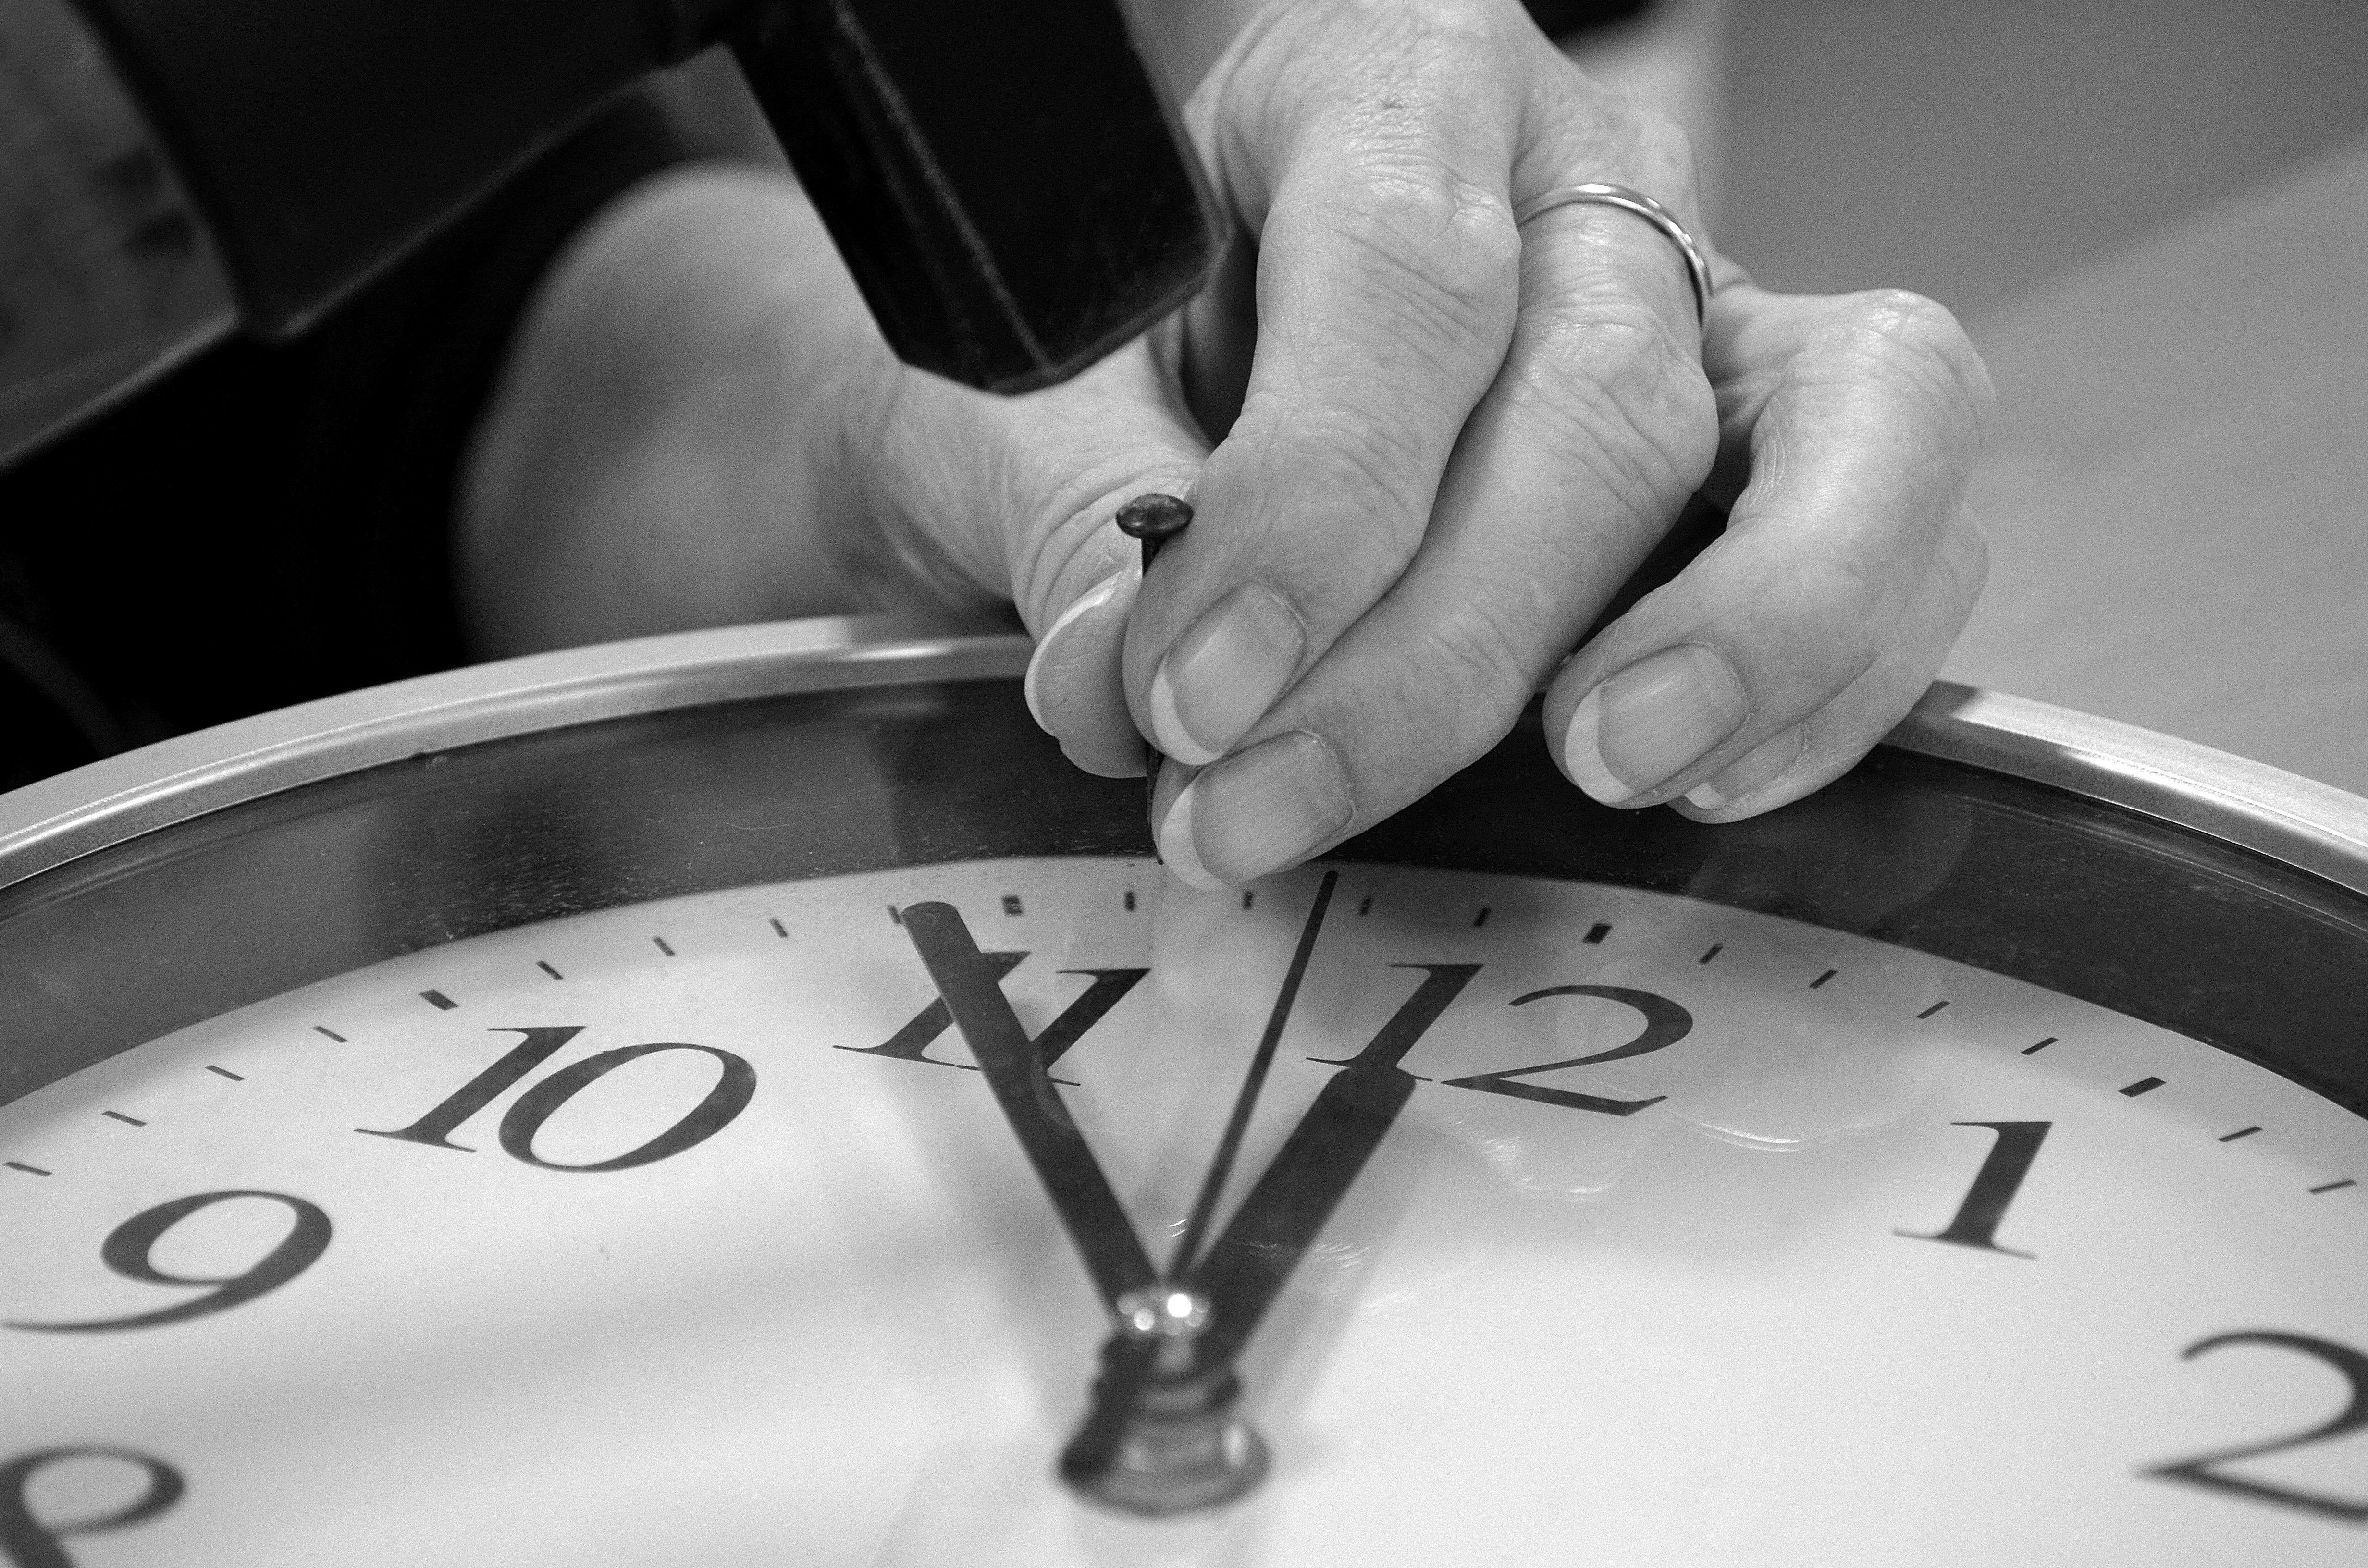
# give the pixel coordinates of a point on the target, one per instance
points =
(2152, 215)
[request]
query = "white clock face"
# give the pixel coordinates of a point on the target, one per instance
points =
(683, 1233)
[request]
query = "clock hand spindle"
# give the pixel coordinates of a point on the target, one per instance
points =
(1160, 1438)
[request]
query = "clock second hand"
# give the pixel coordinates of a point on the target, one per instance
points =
(1132, 1357)
(1213, 1186)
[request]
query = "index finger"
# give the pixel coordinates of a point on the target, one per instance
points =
(1387, 282)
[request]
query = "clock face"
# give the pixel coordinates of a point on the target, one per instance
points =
(686, 1230)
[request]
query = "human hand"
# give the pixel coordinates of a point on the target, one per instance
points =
(1454, 441)
(1458, 439)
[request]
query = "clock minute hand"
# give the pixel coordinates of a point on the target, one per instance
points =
(970, 984)
(1161, 1436)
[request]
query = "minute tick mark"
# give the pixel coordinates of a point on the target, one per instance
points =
(118, 1116)
(778, 928)
(2042, 1045)
(1932, 1009)
(546, 969)
(1715, 948)
(20, 1166)
(323, 1029)
(438, 1000)
(1595, 933)
(1480, 919)
(2335, 1186)
(2240, 1132)
(2143, 1086)
(1823, 978)
(226, 1072)
(661, 941)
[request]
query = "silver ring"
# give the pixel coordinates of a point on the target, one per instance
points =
(1645, 207)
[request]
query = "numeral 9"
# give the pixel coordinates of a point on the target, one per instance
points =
(127, 1247)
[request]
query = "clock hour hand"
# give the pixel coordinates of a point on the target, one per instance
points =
(970, 984)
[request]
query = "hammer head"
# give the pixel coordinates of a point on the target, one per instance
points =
(1006, 181)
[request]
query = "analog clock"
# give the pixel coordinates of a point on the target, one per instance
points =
(741, 1098)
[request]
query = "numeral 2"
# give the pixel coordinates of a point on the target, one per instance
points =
(1665, 1023)
(733, 1088)
(28, 1542)
(2353, 1417)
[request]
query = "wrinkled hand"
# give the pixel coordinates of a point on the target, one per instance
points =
(1448, 442)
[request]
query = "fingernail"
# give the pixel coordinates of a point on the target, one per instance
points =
(1049, 651)
(1223, 674)
(1752, 772)
(1268, 808)
(1651, 721)
(1175, 846)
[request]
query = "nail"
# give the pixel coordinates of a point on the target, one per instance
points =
(1753, 771)
(1651, 722)
(1223, 674)
(1155, 520)
(1268, 808)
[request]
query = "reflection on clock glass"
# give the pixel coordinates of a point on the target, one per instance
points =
(688, 1234)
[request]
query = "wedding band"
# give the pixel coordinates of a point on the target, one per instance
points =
(1645, 207)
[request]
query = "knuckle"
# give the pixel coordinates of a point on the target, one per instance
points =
(1475, 678)
(1437, 250)
(1659, 151)
(1631, 400)
(1912, 339)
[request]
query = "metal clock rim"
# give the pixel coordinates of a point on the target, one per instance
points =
(2299, 822)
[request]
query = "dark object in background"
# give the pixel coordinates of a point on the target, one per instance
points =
(1004, 181)
(269, 523)
(1559, 17)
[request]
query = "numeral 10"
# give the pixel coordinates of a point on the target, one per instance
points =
(525, 1117)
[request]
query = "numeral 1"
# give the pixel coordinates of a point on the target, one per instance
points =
(1994, 1187)
(1441, 983)
(436, 1128)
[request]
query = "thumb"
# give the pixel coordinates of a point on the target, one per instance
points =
(1018, 495)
